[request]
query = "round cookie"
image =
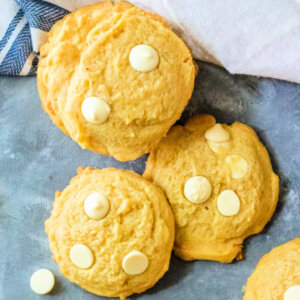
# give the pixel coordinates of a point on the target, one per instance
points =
(123, 251)
(220, 185)
(277, 275)
(115, 78)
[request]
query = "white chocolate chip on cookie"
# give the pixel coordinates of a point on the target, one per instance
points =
(95, 110)
(81, 256)
(238, 166)
(143, 58)
(293, 293)
(228, 203)
(197, 189)
(96, 206)
(217, 134)
(135, 263)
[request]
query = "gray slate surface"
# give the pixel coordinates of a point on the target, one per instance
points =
(36, 159)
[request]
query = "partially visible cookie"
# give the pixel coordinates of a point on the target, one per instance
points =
(220, 184)
(277, 275)
(111, 232)
(115, 78)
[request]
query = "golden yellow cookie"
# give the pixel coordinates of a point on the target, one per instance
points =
(277, 275)
(220, 184)
(138, 92)
(111, 232)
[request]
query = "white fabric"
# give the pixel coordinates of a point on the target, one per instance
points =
(72, 4)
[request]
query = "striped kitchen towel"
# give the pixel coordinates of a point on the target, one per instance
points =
(23, 27)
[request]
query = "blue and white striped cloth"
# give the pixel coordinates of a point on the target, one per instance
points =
(23, 27)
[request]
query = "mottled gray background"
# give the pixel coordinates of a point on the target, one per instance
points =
(36, 159)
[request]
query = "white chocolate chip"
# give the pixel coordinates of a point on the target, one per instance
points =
(96, 206)
(217, 134)
(218, 147)
(228, 203)
(143, 58)
(293, 293)
(81, 256)
(42, 281)
(135, 263)
(95, 110)
(197, 189)
(238, 165)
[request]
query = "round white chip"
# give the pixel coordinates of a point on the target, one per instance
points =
(42, 281)
(228, 203)
(135, 263)
(81, 256)
(143, 58)
(293, 293)
(96, 206)
(238, 166)
(197, 189)
(217, 134)
(95, 110)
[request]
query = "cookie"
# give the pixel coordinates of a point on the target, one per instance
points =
(111, 232)
(277, 275)
(220, 184)
(114, 78)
